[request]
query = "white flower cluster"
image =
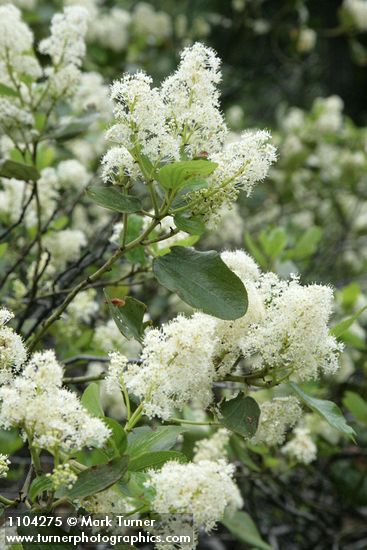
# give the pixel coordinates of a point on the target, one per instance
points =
(153, 25)
(50, 415)
(66, 48)
(12, 351)
(107, 337)
(64, 246)
(63, 476)
(4, 465)
(16, 43)
(284, 333)
(276, 417)
(66, 44)
(204, 489)
(306, 40)
(177, 365)
(141, 115)
(212, 448)
(182, 119)
(82, 309)
(293, 334)
(301, 447)
(357, 9)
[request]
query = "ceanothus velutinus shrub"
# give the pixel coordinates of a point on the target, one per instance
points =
(168, 174)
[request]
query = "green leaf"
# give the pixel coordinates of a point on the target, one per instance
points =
(91, 400)
(306, 245)
(244, 529)
(343, 326)
(356, 405)
(145, 439)
(73, 127)
(6, 90)
(134, 227)
(10, 441)
(98, 478)
(274, 242)
(255, 250)
(118, 439)
(154, 460)
(203, 281)
(193, 225)
(327, 409)
(146, 166)
(241, 415)
(113, 199)
(3, 249)
(39, 484)
(129, 317)
(18, 170)
(178, 174)
(242, 453)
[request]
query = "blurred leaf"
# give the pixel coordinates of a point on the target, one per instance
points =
(306, 246)
(343, 326)
(274, 242)
(73, 127)
(350, 294)
(18, 170)
(3, 249)
(91, 400)
(113, 199)
(10, 441)
(203, 281)
(255, 250)
(327, 409)
(241, 415)
(239, 448)
(244, 529)
(7, 91)
(129, 317)
(356, 405)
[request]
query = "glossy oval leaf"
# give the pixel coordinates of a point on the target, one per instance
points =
(178, 174)
(91, 400)
(193, 225)
(113, 199)
(327, 409)
(241, 415)
(144, 439)
(39, 484)
(128, 317)
(98, 478)
(203, 281)
(154, 460)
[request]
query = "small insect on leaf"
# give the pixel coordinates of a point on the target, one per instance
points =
(116, 302)
(202, 155)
